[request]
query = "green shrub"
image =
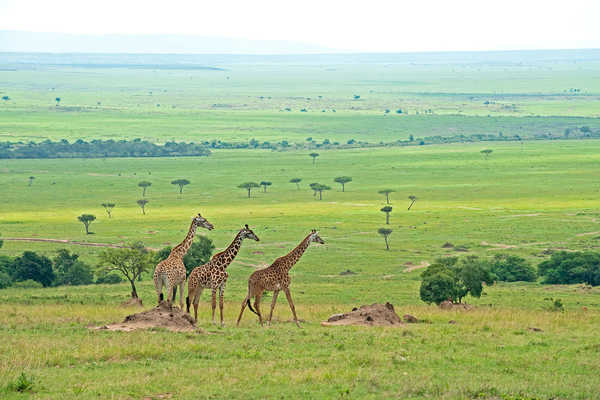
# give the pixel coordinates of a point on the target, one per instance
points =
(28, 284)
(109, 279)
(508, 268)
(571, 267)
(32, 266)
(23, 383)
(5, 280)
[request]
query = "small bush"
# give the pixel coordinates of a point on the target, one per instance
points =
(23, 383)
(5, 280)
(508, 268)
(109, 279)
(28, 284)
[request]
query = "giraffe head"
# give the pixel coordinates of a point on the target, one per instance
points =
(314, 237)
(246, 233)
(199, 220)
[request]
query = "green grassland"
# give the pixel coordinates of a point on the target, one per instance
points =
(525, 199)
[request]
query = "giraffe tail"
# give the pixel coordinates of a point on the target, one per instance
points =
(187, 304)
(250, 307)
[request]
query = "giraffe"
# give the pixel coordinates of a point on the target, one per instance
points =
(213, 275)
(275, 278)
(171, 271)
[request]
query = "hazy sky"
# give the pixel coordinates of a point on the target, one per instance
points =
(367, 25)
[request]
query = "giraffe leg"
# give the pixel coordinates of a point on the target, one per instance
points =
(246, 301)
(275, 293)
(181, 295)
(214, 303)
(169, 294)
(196, 302)
(257, 307)
(158, 284)
(221, 291)
(291, 303)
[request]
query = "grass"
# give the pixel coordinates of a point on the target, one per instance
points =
(525, 199)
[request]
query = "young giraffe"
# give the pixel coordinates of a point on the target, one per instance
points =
(213, 275)
(276, 277)
(171, 271)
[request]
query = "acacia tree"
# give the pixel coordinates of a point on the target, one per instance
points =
(131, 262)
(387, 194)
(264, 184)
(86, 220)
(314, 157)
(31, 178)
(296, 181)
(486, 153)
(412, 201)
(108, 207)
(142, 203)
(343, 180)
(144, 185)
(387, 210)
(248, 186)
(314, 186)
(317, 187)
(385, 232)
(181, 183)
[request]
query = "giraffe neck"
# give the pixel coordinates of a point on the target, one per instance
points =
(182, 248)
(293, 256)
(224, 258)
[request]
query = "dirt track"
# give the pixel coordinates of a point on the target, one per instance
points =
(66, 241)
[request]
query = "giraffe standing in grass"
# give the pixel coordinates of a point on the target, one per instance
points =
(276, 277)
(171, 272)
(213, 274)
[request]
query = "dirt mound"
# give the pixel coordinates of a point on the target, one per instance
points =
(373, 315)
(447, 245)
(160, 316)
(131, 302)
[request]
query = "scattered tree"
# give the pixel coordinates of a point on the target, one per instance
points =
(385, 233)
(387, 210)
(343, 180)
(264, 184)
(296, 181)
(5, 98)
(86, 220)
(144, 185)
(131, 262)
(314, 157)
(318, 188)
(57, 101)
(387, 194)
(412, 201)
(108, 207)
(486, 153)
(31, 178)
(181, 183)
(449, 279)
(142, 203)
(249, 186)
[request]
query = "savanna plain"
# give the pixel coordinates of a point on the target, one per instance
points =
(528, 197)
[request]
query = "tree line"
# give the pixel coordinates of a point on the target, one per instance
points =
(100, 149)
(452, 279)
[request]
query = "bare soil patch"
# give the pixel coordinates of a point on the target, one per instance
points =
(587, 233)
(367, 315)
(411, 267)
(131, 302)
(161, 316)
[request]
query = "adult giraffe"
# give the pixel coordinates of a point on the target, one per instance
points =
(276, 277)
(171, 271)
(213, 274)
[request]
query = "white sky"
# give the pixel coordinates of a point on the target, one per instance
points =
(367, 25)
